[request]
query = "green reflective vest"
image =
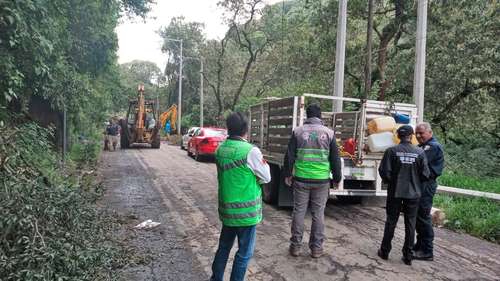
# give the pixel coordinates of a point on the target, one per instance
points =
(312, 163)
(313, 150)
(240, 196)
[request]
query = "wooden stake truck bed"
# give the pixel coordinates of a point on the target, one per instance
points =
(271, 125)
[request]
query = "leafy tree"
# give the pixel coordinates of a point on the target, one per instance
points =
(193, 40)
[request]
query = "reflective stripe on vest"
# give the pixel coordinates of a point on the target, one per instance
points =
(312, 163)
(241, 216)
(235, 205)
(236, 210)
(232, 165)
(313, 154)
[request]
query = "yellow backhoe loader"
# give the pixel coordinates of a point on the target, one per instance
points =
(141, 125)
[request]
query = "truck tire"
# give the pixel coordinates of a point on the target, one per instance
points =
(124, 141)
(270, 190)
(156, 141)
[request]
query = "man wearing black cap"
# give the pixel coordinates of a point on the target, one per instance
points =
(403, 168)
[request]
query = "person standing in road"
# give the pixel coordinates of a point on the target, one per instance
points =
(106, 135)
(241, 169)
(311, 157)
(435, 159)
(403, 168)
(112, 131)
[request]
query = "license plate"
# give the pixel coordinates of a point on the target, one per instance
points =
(357, 172)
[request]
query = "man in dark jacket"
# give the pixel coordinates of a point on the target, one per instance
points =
(112, 131)
(311, 157)
(435, 159)
(403, 168)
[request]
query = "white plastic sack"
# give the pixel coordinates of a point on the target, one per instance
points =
(147, 224)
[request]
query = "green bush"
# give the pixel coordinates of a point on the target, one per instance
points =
(477, 216)
(85, 153)
(50, 230)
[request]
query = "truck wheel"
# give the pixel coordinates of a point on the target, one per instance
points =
(270, 190)
(124, 141)
(156, 142)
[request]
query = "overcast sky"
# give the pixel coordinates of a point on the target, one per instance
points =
(138, 40)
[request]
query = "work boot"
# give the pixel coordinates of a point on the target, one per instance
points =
(406, 260)
(316, 253)
(382, 255)
(420, 255)
(294, 251)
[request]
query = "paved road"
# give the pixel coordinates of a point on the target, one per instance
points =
(169, 187)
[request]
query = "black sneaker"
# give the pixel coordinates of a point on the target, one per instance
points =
(382, 255)
(406, 260)
(420, 255)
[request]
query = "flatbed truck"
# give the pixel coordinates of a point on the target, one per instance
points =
(271, 125)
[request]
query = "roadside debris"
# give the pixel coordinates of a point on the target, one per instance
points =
(147, 224)
(438, 217)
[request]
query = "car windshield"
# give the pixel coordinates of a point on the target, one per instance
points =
(215, 133)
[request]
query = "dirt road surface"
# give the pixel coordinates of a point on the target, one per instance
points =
(169, 187)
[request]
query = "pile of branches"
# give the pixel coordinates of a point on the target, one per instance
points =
(49, 227)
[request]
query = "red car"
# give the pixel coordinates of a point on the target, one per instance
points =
(205, 141)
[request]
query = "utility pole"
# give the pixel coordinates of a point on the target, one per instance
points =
(419, 77)
(158, 97)
(201, 92)
(179, 111)
(201, 86)
(338, 87)
(368, 61)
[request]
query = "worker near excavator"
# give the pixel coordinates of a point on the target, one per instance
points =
(404, 168)
(112, 134)
(241, 169)
(312, 156)
(435, 158)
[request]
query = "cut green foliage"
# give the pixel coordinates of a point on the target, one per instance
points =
(51, 229)
(476, 216)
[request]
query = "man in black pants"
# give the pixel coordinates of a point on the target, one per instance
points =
(403, 167)
(434, 153)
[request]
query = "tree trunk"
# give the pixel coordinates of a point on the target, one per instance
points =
(244, 79)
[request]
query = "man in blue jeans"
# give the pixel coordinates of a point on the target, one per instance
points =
(241, 169)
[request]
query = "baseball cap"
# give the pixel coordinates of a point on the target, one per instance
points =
(405, 130)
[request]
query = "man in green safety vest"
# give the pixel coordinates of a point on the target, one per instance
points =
(311, 162)
(241, 169)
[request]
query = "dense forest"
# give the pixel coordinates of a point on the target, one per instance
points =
(63, 54)
(289, 49)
